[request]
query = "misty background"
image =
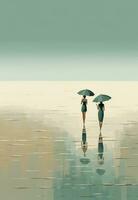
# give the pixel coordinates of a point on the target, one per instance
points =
(68, 40)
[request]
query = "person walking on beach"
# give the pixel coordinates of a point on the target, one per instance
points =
(84, 93)
(101, 109)
(84, 108)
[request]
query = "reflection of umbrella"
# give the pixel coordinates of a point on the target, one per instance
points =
(100, 171)
(101, 98)
(86, 92)
(84, 160)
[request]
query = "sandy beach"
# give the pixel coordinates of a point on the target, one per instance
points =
(40, 141)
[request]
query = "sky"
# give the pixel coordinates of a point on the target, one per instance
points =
(68, 40)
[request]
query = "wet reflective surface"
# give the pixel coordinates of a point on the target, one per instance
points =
(46, 153)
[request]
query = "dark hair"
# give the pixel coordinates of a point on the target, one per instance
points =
(84, 96)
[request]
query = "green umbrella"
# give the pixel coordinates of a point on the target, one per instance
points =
(86, 92)
(101, 98)
(84, 160)
(100, 171)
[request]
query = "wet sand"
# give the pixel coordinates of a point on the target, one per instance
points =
(40, 145)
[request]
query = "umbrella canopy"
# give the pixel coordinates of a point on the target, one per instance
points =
(84, 160)
(101, 98)
(100, 171)
(86, 92)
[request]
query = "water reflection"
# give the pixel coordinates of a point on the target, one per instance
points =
(100, 156)
(84, 146)
(100, 150)
(47, 163)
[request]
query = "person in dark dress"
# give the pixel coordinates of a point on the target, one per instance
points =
(84, 108)
(101, 109)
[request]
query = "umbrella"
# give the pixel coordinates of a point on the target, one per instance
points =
(101, 98)
(86, 92)
(84, 160)
(100, 171)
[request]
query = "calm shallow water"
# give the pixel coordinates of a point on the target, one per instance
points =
(40, 142)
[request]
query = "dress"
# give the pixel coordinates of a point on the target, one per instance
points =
(100, 150)
(101, 112)
(84, 137)
(84, 106)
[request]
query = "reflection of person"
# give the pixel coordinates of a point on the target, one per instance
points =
(84, 108)
(101, 109)
(100, 150)
(84, 144)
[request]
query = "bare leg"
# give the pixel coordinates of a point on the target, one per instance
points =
(83, 117)
(100, 124)
(100, 134)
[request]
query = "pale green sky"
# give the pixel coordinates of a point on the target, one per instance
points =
(42, 38)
